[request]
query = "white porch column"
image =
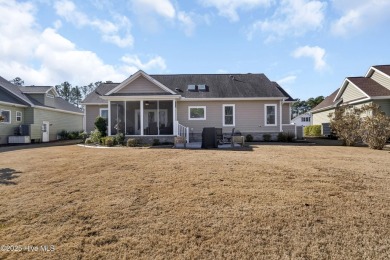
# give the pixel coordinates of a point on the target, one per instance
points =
(142, 116)
(175, 126)
(109, 118)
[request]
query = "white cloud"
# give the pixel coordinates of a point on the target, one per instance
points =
(111, 31)
(359, 15)
(163, 8)
(44, 57)
(316, 53)
(148, 12)
(229, 8)
(134, 63)
(287, 80)
(292, 17)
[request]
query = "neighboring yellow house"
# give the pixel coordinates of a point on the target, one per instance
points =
(35, 114)
(357, 91)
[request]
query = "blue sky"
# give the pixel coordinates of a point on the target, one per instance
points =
(309, 47)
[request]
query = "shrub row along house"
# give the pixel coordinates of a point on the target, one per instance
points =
(35, 114)
(357, 91)
(163, 106)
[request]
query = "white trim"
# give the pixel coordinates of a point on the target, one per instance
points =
(141, 117)
(49, 95)
(134, 77)
(280, 116)
(372, 69)
(60, 110)
(100, 111)
(189, 112)
(16, 116)
(265, 114)
(136, 98)
(85, 119)
(47, 130)
(223, 114)
(109, 118)
(94, 104)
(9, 117)
(344, 86)
(11, 104)
(229, 99)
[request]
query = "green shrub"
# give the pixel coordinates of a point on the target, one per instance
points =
(73, 135)
(95, 136)
(248, 138)
(101, 125)
(119, 138)
(88, 141)
(132, 142)
(266, 137)
(102, 140)
(312, 130)
(109, 141)
(282, 137)
(156, 142)
(63, 134)
(83, 135)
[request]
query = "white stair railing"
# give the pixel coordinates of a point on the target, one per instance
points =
(183, 131)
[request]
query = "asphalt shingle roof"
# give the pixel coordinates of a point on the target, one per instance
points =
(327, 102)
(16, 95)
(384, 68)
(219, 86)
(370, 86)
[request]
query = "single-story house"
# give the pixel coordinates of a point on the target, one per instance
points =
(302, 119)
(35, 114)
(374, 87)
(165, 106)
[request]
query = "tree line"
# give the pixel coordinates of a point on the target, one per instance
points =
(303, 106)
(72, 94)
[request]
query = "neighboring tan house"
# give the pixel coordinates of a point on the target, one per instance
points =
(35, 114)
(302, 119)
(164, 106)
(357, 91)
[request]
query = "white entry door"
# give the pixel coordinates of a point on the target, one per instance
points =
(45, 131)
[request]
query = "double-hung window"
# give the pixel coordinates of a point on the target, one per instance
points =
(270, 115)
(104, 113)
(229, 115)
(6, 115)
(18, 116)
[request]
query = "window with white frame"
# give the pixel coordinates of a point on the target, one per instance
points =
(104, 113)
(49, 95)
(197, 113)
(229, 115)
(270, 115)
(6, 114)
(305, 119)
(18, 116)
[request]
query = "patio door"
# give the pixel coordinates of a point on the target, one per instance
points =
(45, 131)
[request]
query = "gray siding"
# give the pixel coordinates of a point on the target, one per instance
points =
(141, 85)
(381, 79)
(8, 129)
(321, 117)
(286, 117)
(38, 97)
(351, 93)
(58, 121)
(249, 116)
(384, 105)
(92, 111)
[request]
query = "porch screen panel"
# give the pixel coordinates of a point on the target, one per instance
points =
(133, 118)
(150, 118)
(166, 117)
(117, 117)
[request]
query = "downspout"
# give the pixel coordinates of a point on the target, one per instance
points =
(109, 118)
(280, 115)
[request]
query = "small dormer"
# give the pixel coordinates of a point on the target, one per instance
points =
(41, 95)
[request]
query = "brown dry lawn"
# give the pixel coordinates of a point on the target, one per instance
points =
(271, 202)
